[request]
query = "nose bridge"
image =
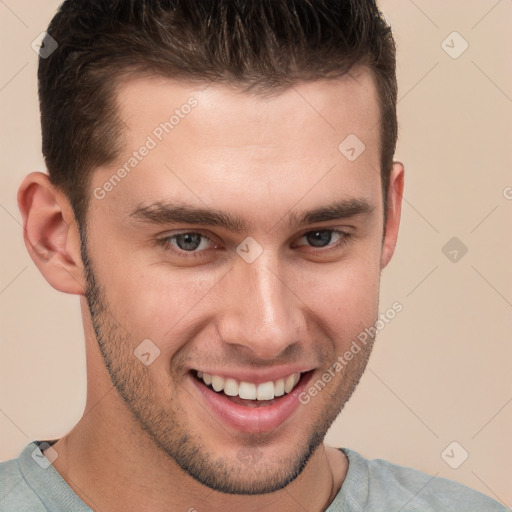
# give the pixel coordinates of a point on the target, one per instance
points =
(264, 315)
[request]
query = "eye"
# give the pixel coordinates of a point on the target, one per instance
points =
(324, 238)
(189, 241)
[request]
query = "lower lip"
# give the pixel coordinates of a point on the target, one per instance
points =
(252, 419)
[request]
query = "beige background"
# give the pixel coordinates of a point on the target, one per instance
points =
(441, 369)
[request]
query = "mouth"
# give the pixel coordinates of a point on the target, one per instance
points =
(250, 407)
(250, 394)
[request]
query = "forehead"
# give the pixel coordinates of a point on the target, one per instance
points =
(230, 113)
(256, 149)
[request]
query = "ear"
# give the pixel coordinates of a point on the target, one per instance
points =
(51, 233)
(394, 209)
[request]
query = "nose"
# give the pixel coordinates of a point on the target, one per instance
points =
(262, 311)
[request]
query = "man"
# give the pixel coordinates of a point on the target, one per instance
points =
(222, 196)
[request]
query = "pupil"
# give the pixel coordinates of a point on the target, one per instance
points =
(188, 241)
(319, 238)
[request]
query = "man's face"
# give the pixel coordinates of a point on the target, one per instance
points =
(289, 299)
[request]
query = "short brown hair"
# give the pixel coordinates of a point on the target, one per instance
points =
(260, 45)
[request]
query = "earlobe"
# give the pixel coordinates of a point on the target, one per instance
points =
(394, 209)
(51, 233)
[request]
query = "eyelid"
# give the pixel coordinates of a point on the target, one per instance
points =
(170, 234)
(335, 229)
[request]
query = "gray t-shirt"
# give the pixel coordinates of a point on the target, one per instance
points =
(31, 484)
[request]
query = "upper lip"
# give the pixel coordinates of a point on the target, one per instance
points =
(256, 376)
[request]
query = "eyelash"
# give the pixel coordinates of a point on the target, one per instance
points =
(165, 242)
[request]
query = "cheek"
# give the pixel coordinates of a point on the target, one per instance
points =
(344, 298)
(154, 301)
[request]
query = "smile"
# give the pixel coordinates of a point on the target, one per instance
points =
(248, 390)
(248, 406)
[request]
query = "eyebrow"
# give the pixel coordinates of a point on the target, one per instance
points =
(339, 210)
(171, 213)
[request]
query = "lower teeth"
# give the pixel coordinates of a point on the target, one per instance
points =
(250, 403)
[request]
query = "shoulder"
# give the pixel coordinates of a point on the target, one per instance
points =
(15, 493)
(30, 483)
(377, 481)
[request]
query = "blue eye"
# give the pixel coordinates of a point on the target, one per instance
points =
(191, 242)
(195, 244)
(324, 237)
(188, 241)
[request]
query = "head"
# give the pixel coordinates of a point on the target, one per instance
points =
(243, 240)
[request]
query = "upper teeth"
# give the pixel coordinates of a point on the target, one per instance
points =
(248, 390)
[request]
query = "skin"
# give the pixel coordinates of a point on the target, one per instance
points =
(260, 158)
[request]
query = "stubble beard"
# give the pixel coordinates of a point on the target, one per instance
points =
(177, 440)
